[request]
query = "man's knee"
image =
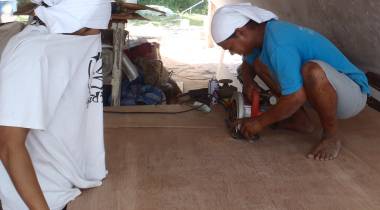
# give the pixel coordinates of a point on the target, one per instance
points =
(313, 73)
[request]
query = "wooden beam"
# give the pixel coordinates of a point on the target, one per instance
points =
(374, 80)
(26, 9)
(119, 42)
(211, 12)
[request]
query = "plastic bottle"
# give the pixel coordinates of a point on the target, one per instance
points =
(213, 87)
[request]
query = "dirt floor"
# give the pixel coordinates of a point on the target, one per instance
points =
(189, 161)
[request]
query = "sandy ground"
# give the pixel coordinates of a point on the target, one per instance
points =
(184, 51)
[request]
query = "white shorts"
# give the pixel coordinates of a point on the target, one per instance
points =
(351, 100)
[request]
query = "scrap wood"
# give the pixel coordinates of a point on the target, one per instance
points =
(164, 109)
(374, 80)
(26, 9)
(127, 16)
(134, 7)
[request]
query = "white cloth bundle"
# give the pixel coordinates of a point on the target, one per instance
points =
(68, 16)
(230, 17)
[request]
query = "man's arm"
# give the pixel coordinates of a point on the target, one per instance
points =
(247, 76)
(285, 108)
(247, 73)
(264, 73)
(18, 164)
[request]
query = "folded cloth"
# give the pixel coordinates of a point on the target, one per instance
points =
(138, 93)
(52, 84)
(232, 16)
(68, 16)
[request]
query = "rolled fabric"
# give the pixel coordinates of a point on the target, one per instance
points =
(68, 16)
(232, 16)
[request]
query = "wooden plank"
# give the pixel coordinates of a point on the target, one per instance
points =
(374, 80)
(117, 75)
(125, 17)
(134, 7)
(25, 9)
(373, 103)
(193, 119)
(210, 14)
(169, 109)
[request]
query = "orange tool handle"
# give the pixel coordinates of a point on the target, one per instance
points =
(255, 108)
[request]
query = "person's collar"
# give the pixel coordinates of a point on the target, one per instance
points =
(44, 4)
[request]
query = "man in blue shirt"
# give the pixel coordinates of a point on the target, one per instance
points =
(299, 65)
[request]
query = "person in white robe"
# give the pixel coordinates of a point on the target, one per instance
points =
(51, 112)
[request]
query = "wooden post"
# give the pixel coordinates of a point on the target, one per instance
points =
(211, 12)
(119, 35)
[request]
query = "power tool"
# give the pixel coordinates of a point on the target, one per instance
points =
(239, 108)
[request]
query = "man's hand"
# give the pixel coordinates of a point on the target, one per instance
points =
(250, 127)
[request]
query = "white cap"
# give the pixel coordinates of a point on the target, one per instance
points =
(68, 16)
(230, 17)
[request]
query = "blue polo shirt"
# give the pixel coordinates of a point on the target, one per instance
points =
(287, 47)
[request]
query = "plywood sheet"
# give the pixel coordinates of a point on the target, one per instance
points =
(198, 166)
(141, 116)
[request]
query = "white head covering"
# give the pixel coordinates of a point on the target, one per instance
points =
(68, 16)
(230, 17)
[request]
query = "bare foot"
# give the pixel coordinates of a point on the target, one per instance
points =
(327, 149)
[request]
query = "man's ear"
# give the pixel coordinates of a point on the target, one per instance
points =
(240, 33)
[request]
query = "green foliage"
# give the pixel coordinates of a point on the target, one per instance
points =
(179, 5)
